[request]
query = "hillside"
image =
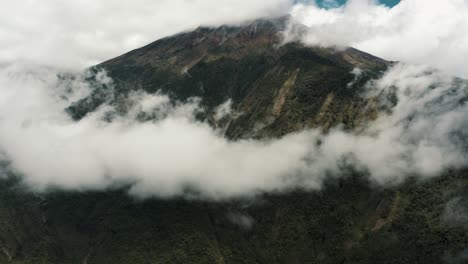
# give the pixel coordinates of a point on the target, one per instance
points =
(277, 88)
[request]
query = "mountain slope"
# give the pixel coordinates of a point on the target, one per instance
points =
(276, 89)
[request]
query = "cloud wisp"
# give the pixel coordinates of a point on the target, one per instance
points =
(420, 132)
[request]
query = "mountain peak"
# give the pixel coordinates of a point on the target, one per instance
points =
(275, 24)
(278, 87)
(237, 40)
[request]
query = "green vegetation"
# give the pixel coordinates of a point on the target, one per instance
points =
(349, 221)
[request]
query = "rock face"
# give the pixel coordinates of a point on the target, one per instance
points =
(279, 88)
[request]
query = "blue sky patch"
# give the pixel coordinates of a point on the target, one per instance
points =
(335, 3)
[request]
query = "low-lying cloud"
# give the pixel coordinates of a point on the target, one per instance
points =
(421, 131)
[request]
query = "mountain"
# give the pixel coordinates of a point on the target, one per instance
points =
(279, 88)
(250, 66)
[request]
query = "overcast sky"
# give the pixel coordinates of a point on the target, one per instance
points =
(81, 33)
(84, 32)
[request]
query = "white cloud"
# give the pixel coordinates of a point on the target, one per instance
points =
(82, 33)
(416, 31)
(421, 135)
(77, 34)
(160, 158)
(223, 110)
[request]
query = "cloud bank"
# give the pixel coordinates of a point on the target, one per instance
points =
(416, 31)
(420, 132)
(81, 33)
(77, 34)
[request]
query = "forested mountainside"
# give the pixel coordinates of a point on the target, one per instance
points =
(278, 88)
